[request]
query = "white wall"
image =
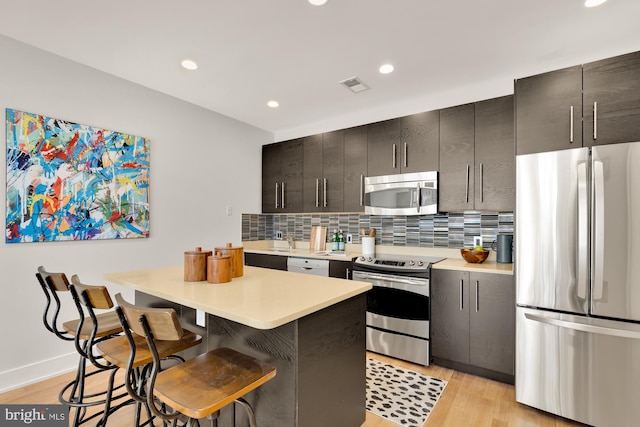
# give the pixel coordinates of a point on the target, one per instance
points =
(201, 162)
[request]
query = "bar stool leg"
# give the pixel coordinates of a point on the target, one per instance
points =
(249, 409)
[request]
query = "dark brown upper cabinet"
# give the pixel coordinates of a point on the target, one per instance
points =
(456, 177)
(591, 104)
(495, 169)
(404, 145)
(355, 168)
(477, 158)
(383, 140)
(612, 100)
(549, 111)
(323, 177)
(419, 142)
(282, 176)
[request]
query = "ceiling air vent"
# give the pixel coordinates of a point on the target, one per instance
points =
(354, 84)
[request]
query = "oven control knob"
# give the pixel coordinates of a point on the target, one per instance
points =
(412, 263)
(420, 263)
(361, 258)
(370, 259)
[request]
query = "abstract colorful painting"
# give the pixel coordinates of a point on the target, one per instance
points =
(67, 181)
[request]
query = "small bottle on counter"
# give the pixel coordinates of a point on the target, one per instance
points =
(334, 240)
(340, 241)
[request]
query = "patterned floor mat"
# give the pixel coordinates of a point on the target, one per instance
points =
(399, 395)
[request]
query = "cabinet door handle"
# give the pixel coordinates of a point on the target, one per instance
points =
(481, 182)
(276, 195)
(461, 291)
(282, 191)
(571, 124)
(317, 192)
(393, 156)
(466, 189)
(595, 120)
(324, 189)
(477, 299)
(347, 273)
(405, 155)
(361, 190)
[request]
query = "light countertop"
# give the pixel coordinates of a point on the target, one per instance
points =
(487, 266)
(453, 260)
(261, 298)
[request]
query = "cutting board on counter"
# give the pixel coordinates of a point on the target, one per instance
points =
(318, 238)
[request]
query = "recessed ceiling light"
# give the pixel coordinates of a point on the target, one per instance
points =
(189, 64)
(273, 104)
(317, 2)
(593, 3)
(386, 69)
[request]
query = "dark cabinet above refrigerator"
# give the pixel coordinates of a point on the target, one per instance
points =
(584, 105)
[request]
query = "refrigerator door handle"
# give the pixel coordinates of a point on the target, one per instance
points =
(598, 229)
(583, 227)
(584, 327)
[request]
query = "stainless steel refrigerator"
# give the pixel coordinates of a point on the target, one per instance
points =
(577, 250)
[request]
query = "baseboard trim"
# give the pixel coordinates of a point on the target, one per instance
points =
(474, 370)
(35, 372)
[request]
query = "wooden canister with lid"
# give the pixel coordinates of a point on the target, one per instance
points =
(237, 258)
(219, 268)
(195, 265)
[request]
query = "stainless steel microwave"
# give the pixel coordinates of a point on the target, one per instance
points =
(403, 194)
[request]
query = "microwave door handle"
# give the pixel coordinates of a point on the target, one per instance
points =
(418, 197)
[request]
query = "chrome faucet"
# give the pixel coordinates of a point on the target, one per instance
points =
(290, 240)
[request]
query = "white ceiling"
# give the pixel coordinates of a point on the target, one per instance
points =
(445, 52)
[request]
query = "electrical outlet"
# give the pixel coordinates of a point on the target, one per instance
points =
(349, 238)
(201, 318)
(278, 235)
(477, 241)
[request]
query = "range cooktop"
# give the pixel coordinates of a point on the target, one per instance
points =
(396, 262)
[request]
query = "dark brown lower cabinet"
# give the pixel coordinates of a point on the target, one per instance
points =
(338, 269)
(473, 323)
(275, 262)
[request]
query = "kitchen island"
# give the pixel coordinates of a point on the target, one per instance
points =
(311, 328)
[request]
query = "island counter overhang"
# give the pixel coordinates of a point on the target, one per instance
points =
(261, 298)
(311, 328)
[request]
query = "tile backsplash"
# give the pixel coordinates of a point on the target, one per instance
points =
(454, 230)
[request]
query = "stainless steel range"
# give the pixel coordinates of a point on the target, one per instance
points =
(398, 306)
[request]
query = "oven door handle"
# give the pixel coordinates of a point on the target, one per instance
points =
(391, 279)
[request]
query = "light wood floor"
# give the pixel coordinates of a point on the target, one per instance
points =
(467, 401)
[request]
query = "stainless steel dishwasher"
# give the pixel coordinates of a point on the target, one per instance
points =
(316, 267)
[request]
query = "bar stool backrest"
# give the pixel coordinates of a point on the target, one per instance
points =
(92, 296)
(51, 284)
(88, 298)
(163, 322)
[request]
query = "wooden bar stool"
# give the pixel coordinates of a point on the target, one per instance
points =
(89, 298)
(132, 353)
(199, 387)
(83, 331)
